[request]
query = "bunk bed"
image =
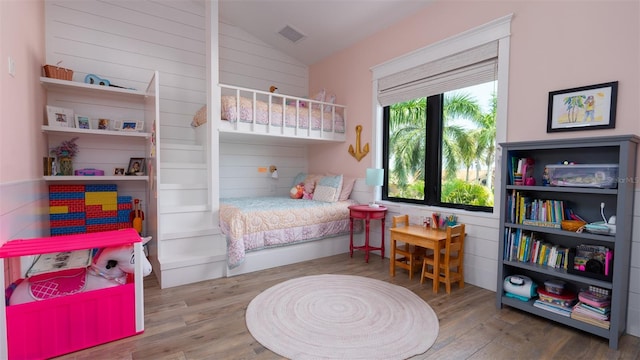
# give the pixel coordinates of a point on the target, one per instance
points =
(251, 111)
(265, 232)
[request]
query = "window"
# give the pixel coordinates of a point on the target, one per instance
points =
(451, 134)
(440, 113)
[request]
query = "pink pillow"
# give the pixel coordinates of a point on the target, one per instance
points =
(320, 96)
(330, 99)
(347, 188)
(310, 182)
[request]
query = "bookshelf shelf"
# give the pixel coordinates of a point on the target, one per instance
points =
(584, 201)
(528, 307)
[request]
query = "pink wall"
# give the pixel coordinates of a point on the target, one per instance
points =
(554, 46)
(22, 99)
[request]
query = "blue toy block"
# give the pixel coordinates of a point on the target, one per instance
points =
(101, 187)
(66, 196)
(68, 230)
(67, 216)
(102, 221)
(125, 199)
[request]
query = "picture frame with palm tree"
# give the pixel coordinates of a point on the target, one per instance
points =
(583, 108)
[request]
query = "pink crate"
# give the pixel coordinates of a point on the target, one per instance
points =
(48, 328)
(52, 327)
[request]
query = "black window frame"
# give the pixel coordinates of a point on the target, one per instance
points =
(433, 156)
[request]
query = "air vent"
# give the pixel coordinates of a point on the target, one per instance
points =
(291, 34)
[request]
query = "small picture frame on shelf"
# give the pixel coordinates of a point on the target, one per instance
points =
(60, 117)
(103, 124)
(118, 171)
(83, 122)
(136, 166)
(130, 125)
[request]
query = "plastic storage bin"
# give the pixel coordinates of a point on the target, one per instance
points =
(554, 286)
(584, 175)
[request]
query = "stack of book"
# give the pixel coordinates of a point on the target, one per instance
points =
(523, 209)
(525, 246)
(561, 304)
(593, 308)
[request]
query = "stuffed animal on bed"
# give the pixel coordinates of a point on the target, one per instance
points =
(111, 266)
(297, 191)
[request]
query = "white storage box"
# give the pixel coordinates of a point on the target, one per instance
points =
(584, 175)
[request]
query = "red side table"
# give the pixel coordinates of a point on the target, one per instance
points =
(366, 213)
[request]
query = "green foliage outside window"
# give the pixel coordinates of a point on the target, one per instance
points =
(467, 149)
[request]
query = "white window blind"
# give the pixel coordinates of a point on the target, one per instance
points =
(471, 67)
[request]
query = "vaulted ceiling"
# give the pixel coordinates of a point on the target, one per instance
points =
(327, 25)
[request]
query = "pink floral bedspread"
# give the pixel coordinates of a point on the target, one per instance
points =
(230, 113)
(257, 223)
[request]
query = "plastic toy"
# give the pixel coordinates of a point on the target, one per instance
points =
(111, 267)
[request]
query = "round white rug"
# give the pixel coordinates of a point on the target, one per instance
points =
(341, 317)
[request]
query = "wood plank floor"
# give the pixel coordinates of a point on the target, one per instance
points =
(206, 321)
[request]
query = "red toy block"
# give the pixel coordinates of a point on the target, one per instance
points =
(126, 206)
(68, 202)
(101, 227)
(66, 188)
(76, 208)
(96, 212)
(65, 223)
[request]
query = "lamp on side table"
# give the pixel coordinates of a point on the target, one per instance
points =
(375, 177)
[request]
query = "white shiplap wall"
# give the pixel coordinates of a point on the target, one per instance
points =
(240, 163)
(248, 62)
(125, 41)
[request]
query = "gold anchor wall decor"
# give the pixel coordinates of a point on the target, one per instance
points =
(359, 153)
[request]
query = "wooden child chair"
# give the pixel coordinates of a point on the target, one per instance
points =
(451, 260)
(410, 255)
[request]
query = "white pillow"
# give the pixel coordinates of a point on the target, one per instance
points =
(328, 189)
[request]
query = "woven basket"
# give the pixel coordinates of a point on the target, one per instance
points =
(56, 72)
(572, 225)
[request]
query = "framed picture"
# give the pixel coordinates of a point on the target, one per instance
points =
(583, 108)
(57, 116)
(130, 125)
(83, 122)
(103, 124)
(136, 166)
(118, 171)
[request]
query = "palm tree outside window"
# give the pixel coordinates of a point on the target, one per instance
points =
(440, 149)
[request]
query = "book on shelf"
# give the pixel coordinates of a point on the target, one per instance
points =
(523, 167)
(580, 316)
(526, 246)
(596, 310)
(560, 310)
(523, 209)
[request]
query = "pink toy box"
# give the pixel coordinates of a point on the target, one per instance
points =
(52, 327)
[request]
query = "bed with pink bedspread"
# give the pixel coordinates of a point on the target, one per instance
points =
(250, 111)
(252, 224)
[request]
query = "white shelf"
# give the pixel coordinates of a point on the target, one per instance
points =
(57, 84)
(97, 178)
(68, 130)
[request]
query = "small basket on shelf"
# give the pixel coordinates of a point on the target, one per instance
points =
(56, 72)
(572, 225)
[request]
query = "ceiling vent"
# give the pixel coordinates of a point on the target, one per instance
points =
(291, 34)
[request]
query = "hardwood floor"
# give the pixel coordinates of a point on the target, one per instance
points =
(206, 321)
